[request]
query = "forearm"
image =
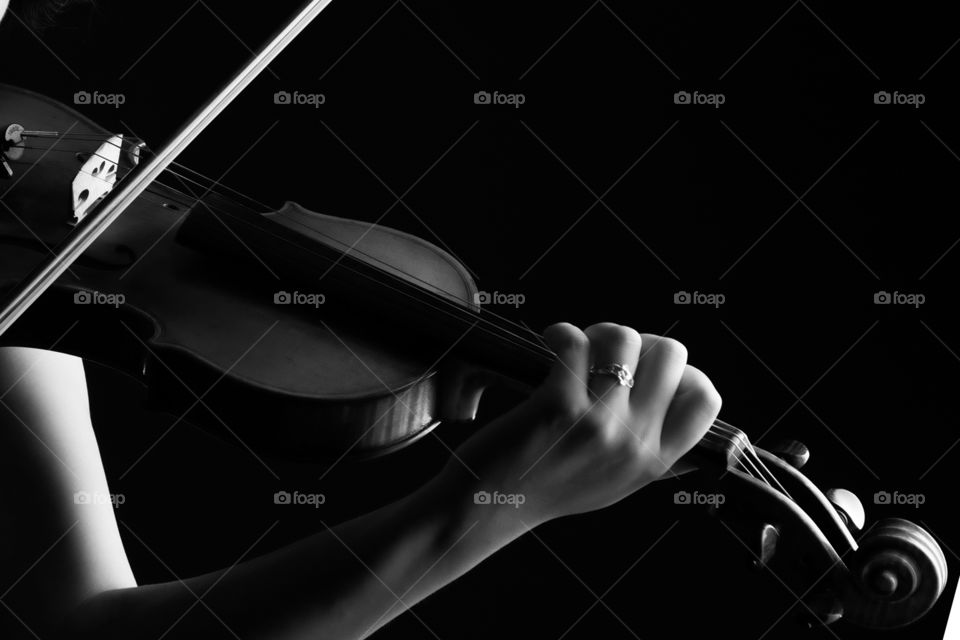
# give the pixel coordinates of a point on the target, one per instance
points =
(343, 582)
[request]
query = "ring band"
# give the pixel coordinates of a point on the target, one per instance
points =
(618, 371)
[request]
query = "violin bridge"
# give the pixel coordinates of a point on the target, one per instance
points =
(96, 177)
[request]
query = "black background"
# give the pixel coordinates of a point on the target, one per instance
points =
(702, 199)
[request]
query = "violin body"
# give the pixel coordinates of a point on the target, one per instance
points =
(313, 337)
(209, 338)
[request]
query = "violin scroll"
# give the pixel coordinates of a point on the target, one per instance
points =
(888, 579)
(896, 575)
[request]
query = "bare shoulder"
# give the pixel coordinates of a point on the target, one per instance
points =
(59, 542)
(26, 373)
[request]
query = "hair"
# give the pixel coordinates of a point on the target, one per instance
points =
(41, 14)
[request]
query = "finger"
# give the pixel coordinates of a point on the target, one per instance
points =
(659, 369)
(693, 410)
(569, 373)
(612, 344)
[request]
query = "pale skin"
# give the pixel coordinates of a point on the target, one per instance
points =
(577, 444)
(570, 448)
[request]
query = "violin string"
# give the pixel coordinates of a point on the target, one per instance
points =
(764, 469)
(99, 138)
(742, 443)
(713, 435)
(89, 154)
(748, 448)
(517, 327)
(443, 304)
(182, 167)
(146, 149)
(751, 453)
(196, 200)
(440, 297)
(751, 465)
(749, 469)
(749, 460)
(147, 195)
(519, 331)
(738, 438)
(745, 460)
(193, 198)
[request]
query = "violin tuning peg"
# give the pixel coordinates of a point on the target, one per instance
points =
(769, 537)
(792, 452)
(849, 507)
(824, 608)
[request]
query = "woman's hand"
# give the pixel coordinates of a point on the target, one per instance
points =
(582, 442)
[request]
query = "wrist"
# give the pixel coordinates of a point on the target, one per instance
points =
(484, 509)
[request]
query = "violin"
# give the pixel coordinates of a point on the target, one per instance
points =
(278, 315)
